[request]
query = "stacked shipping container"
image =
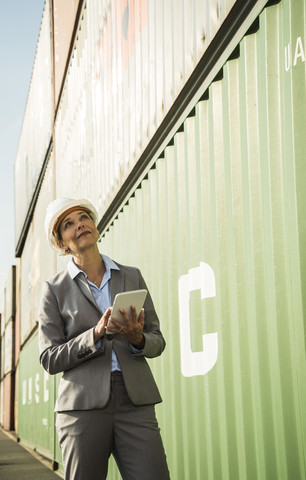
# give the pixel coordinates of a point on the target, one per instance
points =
(183, 123)
(7, 400)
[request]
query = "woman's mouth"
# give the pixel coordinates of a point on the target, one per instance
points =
(86, 232)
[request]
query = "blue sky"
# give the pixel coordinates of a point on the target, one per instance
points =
(19, 30)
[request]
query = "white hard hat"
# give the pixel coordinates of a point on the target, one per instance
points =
(56, 211)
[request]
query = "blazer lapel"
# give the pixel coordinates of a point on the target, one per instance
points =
(117, 286)
(85, 289)
(117, 283)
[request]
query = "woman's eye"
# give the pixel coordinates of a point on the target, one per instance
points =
(84, 217)
(68, 224)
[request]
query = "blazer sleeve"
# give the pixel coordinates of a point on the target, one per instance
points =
(56, 353)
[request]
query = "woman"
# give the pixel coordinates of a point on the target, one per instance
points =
(107, 392)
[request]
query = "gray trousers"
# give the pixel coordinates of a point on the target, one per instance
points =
(88, 437)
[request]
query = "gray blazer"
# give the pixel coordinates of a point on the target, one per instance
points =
(67, 316)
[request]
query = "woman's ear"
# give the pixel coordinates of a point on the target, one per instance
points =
(61, 245)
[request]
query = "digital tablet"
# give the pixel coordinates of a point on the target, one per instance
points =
(126, 300)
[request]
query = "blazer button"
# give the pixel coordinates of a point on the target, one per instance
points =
(80, 355)
(109, 337)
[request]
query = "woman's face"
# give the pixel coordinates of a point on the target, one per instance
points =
(77, 232)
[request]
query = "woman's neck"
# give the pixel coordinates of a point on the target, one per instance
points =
(91, 263)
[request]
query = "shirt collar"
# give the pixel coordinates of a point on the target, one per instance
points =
(74, 270)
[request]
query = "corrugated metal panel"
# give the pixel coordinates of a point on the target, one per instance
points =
(9, 304)
(224, 202)
(16, 385)
(8, 342)
(38, 261)
(17, 340)
(217, 229)
(7, 339)
(37, 125)
(64, 15)
(8, 402)
(36, 402)
(2, 325)
(1, 400)
(7, 335)
(18, 312)
(130, 62)
(2, 350)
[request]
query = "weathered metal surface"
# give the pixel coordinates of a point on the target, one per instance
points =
(7, 403)
(130, 63)
(37, 126)
(35, 402)
(217, 229)
(37, 261)
(64, 18)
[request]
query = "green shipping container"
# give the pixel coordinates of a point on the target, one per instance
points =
(218, 229)
(35, 402)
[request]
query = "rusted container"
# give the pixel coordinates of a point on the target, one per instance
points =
(8, 352)
(8, 401)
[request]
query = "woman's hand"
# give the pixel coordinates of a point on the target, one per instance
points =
(130, 328)
(99, 329)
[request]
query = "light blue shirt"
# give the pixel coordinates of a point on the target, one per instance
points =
(101, 294)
